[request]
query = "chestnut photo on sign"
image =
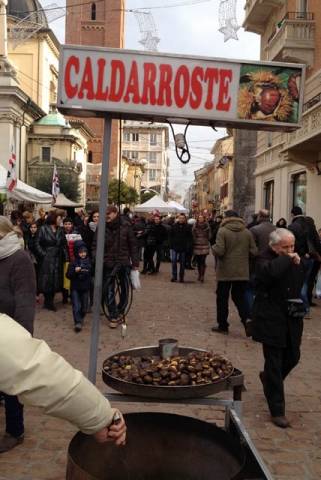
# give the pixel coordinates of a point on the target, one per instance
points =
(269, 94)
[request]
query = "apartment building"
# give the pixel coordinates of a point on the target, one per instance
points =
(288, 170)
(148, 145)
(214, 182)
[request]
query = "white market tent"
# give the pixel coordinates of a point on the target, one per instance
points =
(155, 203)
(63, 202)
(22, 191)
(179, 208)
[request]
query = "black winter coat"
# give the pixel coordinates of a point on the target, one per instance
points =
(155, 234)
(51, 248)
(80, 280)
(277, 280)
(306, 235)
(139, 228)
(120, 244)
(180, 237)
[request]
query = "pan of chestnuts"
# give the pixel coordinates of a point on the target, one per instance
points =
(189, 373)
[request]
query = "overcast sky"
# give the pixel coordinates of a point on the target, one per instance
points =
(190, 29)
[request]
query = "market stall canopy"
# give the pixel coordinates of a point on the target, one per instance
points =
(23, 192)
(179, 208)
(63, 202)
(155, 203)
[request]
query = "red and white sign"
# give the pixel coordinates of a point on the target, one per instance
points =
(205, 91)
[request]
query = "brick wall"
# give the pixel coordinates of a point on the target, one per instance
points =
(106, 31)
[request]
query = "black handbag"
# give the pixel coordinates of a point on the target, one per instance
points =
(295, 308)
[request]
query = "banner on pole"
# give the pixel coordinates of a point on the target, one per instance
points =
(94, 81)
(12, 173)
(55, 190)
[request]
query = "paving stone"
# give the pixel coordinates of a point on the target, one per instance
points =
(185, 312)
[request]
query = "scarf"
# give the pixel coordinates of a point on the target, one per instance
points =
(9, 245)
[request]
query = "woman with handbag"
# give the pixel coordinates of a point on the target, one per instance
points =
(51, 248)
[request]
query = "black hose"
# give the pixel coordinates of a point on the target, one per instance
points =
(117, 295)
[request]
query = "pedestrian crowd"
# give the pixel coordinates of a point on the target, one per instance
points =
(271, 272)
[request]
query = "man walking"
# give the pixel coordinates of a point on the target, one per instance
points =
(307, 246)
(120, 255)
(278, 317)
(180, 241)
(233, 247)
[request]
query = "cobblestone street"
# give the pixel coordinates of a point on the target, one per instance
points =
(186, 312)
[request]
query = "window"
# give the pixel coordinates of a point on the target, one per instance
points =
(90, 157)
(126, 137)
(299, 190)
(135, 137)
(269, 196)
(152, 175)
(153, 157)
(153, 139)
(269, 139)
(133, 155)
(93, 11)
(46, 154)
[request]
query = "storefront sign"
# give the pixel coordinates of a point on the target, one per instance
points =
(159, 87)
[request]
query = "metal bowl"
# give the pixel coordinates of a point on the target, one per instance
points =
(159, 446)
(165, 392)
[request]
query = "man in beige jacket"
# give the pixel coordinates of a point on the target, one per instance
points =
(42, 378)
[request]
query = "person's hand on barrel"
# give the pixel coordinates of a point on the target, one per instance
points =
(115, 432)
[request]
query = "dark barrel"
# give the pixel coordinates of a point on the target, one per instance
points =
(159, 447)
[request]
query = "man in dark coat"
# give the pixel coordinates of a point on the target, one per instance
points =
(180, 240)
(278, 317)
(120, 256)
(307, 246)
(155, 235)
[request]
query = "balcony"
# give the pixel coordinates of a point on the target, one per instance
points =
(257, 13)
(303, 145)
(293, 40)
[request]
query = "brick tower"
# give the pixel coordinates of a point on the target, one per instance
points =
(99, 23)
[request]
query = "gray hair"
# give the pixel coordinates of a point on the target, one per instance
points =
(278, 235)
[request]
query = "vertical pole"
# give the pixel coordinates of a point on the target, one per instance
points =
(100, 252)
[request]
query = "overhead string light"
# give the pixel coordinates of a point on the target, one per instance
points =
(227, 19)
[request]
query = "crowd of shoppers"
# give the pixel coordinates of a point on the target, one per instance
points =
(270, 271)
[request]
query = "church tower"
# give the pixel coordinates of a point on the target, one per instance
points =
(100, 24)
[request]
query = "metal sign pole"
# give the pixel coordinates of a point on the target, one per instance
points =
(99, 260)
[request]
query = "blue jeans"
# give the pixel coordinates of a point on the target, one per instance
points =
(79, 300)
(181, 258)
(308, 265)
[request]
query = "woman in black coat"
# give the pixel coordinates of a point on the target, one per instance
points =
(51, 248)
(278, 313)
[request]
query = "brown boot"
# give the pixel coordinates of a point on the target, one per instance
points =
(7, 442)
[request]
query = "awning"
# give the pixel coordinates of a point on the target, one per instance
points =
(23, 192)
(155, 203)
(63, 202)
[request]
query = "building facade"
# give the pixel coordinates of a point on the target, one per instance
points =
(98, 24)
(53, 140)
(288, 171)
(214, 183)
(148, 145)
(29, 124)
